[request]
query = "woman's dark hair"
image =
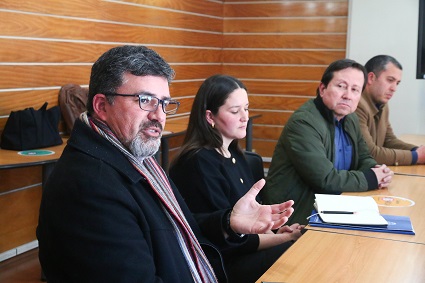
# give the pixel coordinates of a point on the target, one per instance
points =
(212, 94)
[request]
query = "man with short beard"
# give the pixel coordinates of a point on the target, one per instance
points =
(108, 211)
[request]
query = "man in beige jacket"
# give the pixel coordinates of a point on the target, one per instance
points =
(384, 75)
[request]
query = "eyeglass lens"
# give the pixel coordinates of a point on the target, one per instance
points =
(150, 103)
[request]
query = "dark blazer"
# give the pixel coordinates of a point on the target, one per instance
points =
(210, 183)
(101, 222)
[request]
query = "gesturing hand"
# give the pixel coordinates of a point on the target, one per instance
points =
(250, 217)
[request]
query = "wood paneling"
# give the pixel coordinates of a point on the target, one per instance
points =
(202, 7)
(19, 177)
(271, 88)
(47, 51)
(184, 88)
(276, 56)
(42, 75)
(191, 72)
(185, 104)
(19, 217)
(52, 75)
(280, 50)
(270, 117)
(282, 25)
(266, 132)
(309, 41)
(277, 102)
(274, 72)
(286, 9)
(122, 11)
(66, 28)
(16, 100)
(265, 148)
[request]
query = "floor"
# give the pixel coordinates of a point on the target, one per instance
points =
(23, 268)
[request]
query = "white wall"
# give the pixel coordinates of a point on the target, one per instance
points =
(391, 27)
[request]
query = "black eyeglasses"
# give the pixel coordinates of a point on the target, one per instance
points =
(150, 103)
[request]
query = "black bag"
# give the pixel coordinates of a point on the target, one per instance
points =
(30, 129)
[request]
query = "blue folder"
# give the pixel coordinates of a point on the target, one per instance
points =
(396, 224)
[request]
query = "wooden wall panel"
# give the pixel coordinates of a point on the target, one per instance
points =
(20, 99)
(267, 133)
(42, 75)
(275, 87)
(309, 41)
(19, 177)
(38, 50)
(19, 217)
(121, 12)
(274, 72)
(276, 102)
(265, 147)
(288, 8)
(281, 25)
(185, 105)
(201, 7)
(280, 50)
(277, 56)
(70, 29)
(184, 88)
(271, 117)
(190, 72)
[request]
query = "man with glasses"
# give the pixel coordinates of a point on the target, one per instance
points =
(109, 212)
(321, 149)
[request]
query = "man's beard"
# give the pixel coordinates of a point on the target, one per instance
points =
(142, 148)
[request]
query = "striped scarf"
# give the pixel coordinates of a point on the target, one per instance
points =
(199, 265)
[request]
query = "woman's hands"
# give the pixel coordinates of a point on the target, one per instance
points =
(250, 217)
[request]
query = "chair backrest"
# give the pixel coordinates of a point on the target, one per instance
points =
(255, 162)
(72, 102)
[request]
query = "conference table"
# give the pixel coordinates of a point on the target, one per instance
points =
(417, 170)
(324, 257)
(340, 255)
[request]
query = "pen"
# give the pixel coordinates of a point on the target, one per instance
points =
(331, 212)
(336, 212)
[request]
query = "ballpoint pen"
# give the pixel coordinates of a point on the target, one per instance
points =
(336, 212)
(331, 212)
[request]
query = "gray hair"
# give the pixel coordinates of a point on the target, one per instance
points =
(108, 71)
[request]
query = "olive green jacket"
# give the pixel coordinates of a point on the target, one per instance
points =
(302, 163)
